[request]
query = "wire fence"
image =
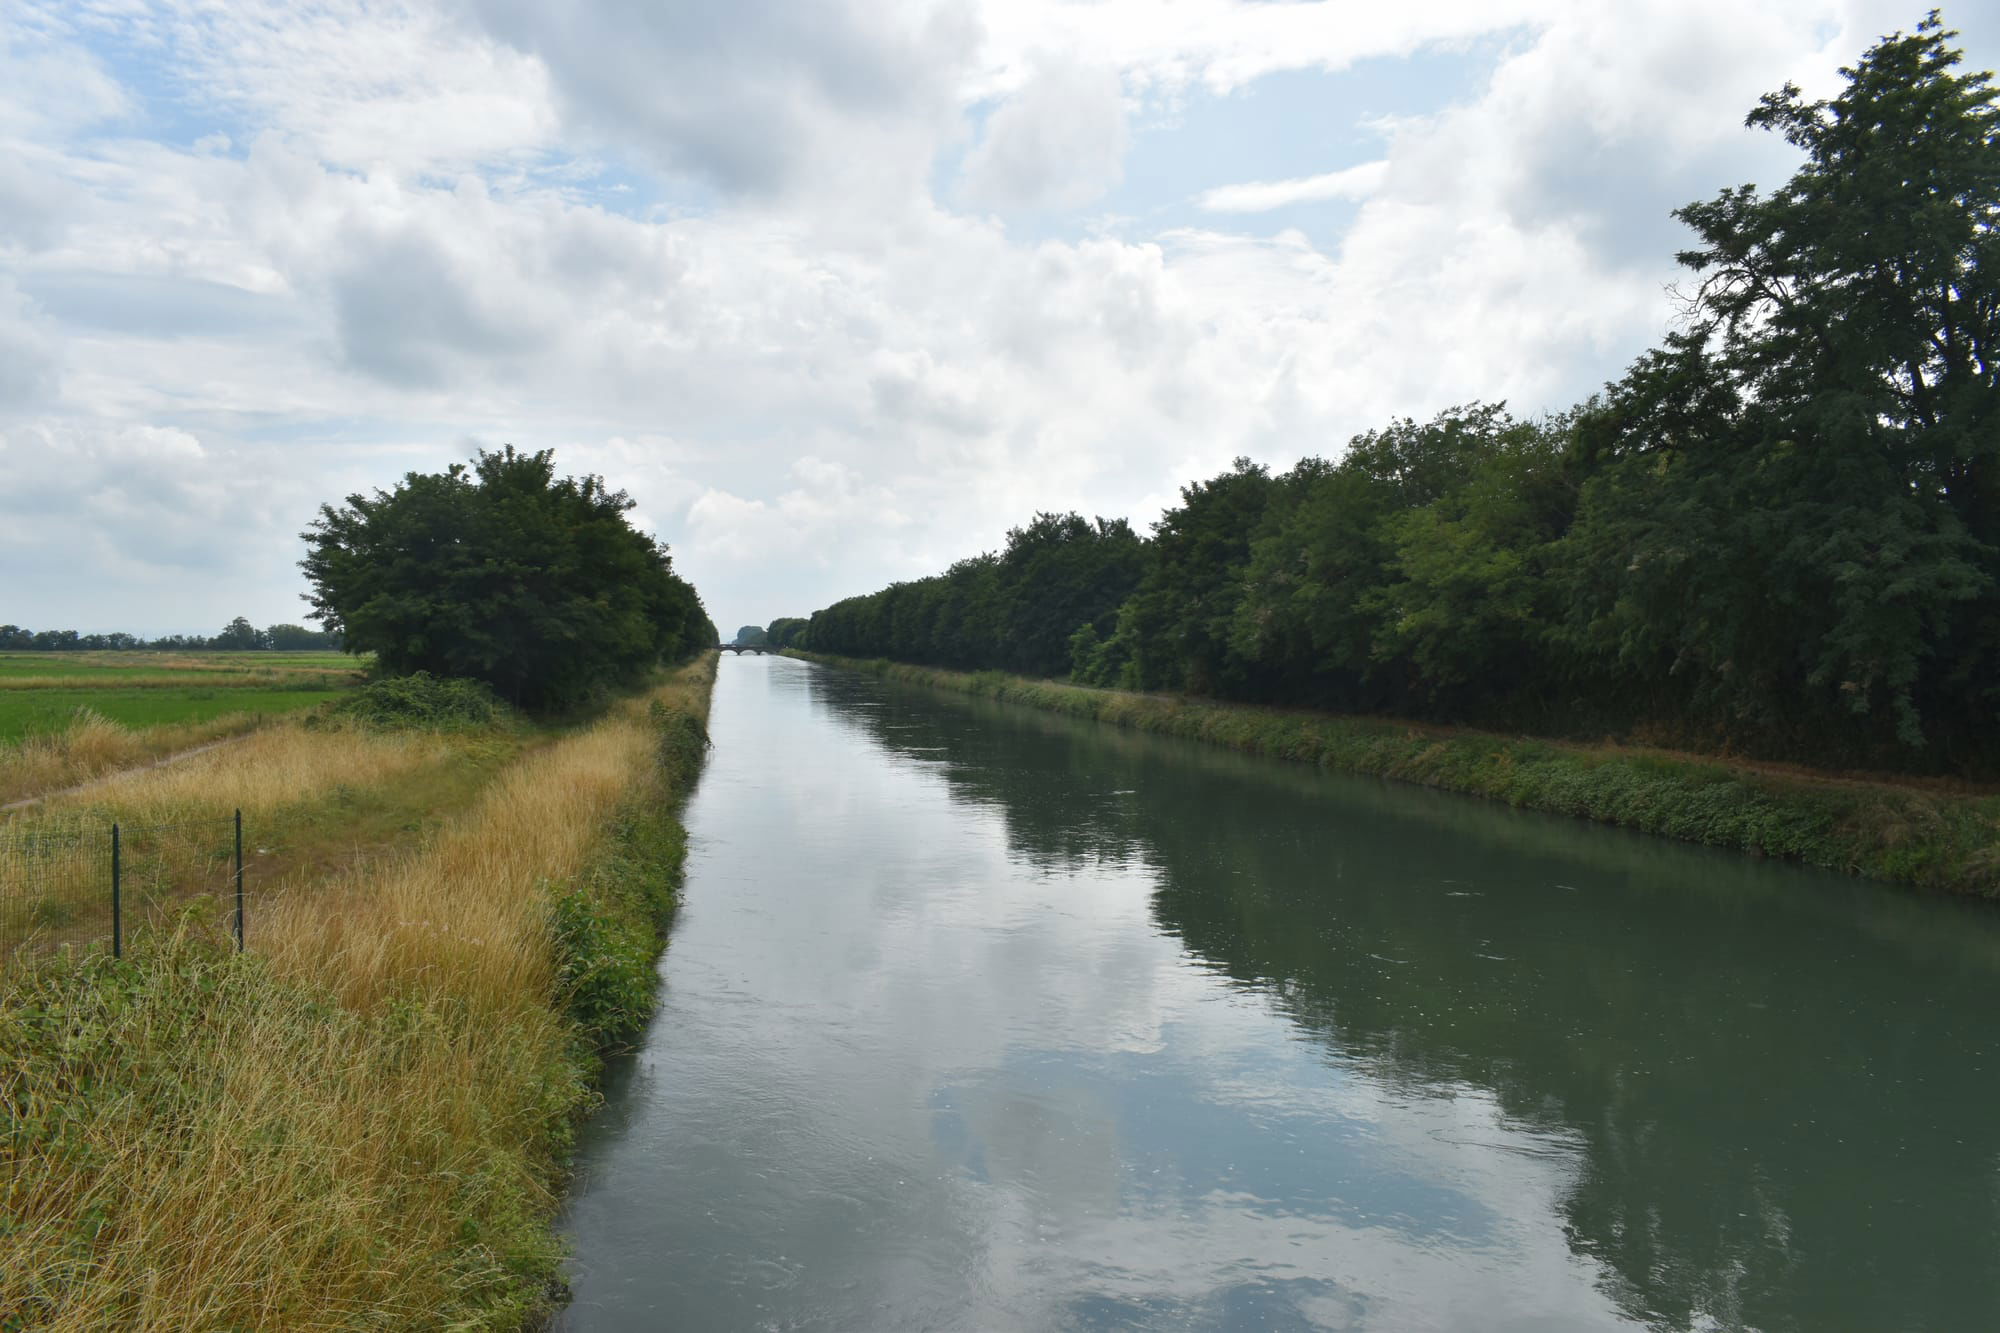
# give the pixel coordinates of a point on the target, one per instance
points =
(82, 883)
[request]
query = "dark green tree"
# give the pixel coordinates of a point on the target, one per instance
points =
(239, 635)
(1799, 508)
(786, 632)
(1175, 632)
(1354, 565)
(1057, 574)
(1465, 605)
(297, 638)
(505, 573)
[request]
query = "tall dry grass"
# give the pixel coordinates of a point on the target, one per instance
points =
(92, 746)
(467, 914)
(281, 765)
(175, 821)
(361, 1127)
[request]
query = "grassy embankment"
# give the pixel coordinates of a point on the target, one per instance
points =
(1932, 835)
(362, 1121)
(66, 718)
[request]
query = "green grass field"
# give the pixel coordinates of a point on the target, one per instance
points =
(26, 713)
(40, 693)
(105, 666)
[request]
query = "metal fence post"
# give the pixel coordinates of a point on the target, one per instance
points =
(117, 922)
(239, 881)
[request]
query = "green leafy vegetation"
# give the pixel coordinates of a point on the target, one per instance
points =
(610, 927)
(1778, 535)
(1923, 835)
(787, 632)
(421, 702)
(1017, 610)
(503, 572)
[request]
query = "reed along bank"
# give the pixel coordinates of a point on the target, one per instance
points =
(364, 1120)
(1929, 835)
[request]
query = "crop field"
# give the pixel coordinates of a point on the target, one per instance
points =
(68, 718)
(44, 694)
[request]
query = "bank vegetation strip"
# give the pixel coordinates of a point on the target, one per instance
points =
(1931, 835)
(363, 1121)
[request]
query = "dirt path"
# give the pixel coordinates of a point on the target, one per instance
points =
(103, 778)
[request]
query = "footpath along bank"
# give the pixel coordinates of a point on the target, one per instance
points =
(1930, 835)
(364, 1120)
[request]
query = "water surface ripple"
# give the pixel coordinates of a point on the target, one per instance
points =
(977, 1018)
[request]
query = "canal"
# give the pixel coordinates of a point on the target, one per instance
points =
(977, 1018)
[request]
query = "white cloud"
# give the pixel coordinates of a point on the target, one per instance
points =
(1057, 142)
(759, 97)
(814, 373)
(28, 363)
(55, 86)
(124, 518)
(1356, 182)
(363, 83)
(1222, 45)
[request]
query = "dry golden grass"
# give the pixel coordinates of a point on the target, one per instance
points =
(53, 883)
(282, 765)
(467, 913)
(356, 1129)
(92, 746)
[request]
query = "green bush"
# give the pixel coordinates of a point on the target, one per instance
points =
(605, 967)
(610, 927)
(421, 702)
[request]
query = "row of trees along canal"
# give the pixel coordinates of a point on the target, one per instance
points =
(1779, 532)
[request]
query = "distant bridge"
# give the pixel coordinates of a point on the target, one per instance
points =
(758, 648)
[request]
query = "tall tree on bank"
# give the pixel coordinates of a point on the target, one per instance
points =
(505, 573)
(1800, 508)
(786, 632)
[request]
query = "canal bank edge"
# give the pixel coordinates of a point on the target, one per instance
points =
(609, 926)
(1910, 835)
(367, 1118)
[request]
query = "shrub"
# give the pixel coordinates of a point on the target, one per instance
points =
(422, 702)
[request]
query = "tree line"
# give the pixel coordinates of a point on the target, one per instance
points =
(1778, 533)
(239, 635)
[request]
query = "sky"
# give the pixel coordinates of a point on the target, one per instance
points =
(837, 291)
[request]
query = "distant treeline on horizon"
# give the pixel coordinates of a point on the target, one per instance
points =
(239, 635)
(1777, 535)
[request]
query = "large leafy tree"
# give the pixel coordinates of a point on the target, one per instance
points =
(1799, 508)
(1175, 631)
(1374, 580)
(240, 635)
(505, 573)
(1059, 573)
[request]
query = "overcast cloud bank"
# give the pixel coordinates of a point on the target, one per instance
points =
(837, 293)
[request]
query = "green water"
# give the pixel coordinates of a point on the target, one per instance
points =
(976, 1018)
